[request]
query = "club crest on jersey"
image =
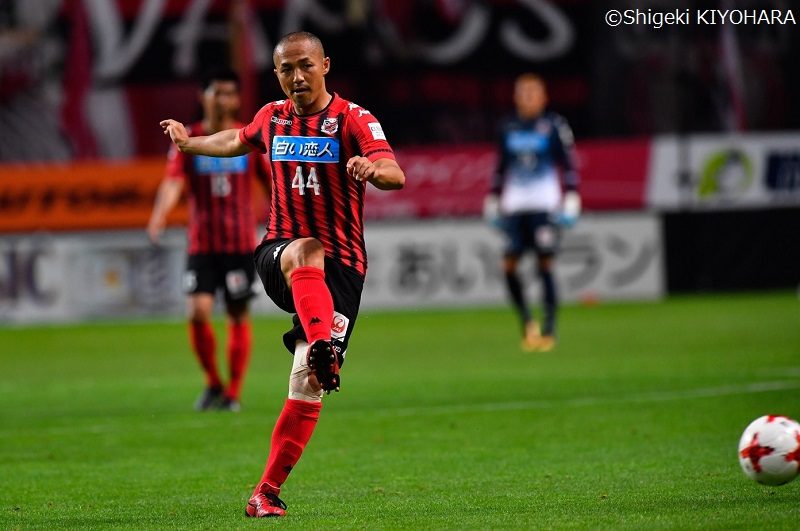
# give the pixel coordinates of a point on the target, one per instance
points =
(329, 125)
(543, 127)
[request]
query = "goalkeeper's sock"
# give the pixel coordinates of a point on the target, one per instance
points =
(549, 303)
(204, 345)
(292, 431)
(517, 295)
(313, 302)
(240, 340)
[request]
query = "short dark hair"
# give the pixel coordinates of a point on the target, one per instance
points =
(530, 76)
(219, 74)
(300, 36)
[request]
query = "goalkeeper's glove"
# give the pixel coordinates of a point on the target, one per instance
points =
(491, 211)
(570, 209)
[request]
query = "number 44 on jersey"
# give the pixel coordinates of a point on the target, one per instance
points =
(301, 183)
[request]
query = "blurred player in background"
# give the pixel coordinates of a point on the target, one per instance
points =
(312, 261)
(221, 239)
(526, 202)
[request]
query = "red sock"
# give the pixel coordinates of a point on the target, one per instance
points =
(240, 339)
(205, 348)
(312, 300)
(292, 431)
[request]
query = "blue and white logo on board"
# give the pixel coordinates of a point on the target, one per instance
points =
(305, 149)
(207, 165)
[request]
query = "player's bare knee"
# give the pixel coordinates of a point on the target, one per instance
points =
(198, 315)
(309, 252)
(237, 311)
(200, 307)
(510, 264)
(544, 264)
(305, 252)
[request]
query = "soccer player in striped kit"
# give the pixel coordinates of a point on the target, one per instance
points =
(221, 236)
(323, 150)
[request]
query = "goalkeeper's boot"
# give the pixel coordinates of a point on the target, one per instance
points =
(324, 364)
(264, 502)
(532, 336)
(208, 399)
(545, 344)
(547, 341)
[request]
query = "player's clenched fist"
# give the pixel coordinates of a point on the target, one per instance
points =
(176, 131)
(361, 168)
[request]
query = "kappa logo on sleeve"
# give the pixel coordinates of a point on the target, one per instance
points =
(377, 131)
(280, 121)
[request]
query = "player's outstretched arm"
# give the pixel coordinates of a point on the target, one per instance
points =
(384, 174)
(222, 144)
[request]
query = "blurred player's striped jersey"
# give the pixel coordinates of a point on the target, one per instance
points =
(221, 216)
(312, 195)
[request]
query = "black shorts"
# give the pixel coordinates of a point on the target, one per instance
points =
(344, 283)
(233, 273)
(534, 231)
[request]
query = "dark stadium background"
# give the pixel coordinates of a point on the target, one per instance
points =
(608, 81)
(86, 82)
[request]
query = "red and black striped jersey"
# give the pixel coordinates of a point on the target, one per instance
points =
(312, 195)
(221, 216)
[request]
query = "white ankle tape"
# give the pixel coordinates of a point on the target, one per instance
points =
(299, 388)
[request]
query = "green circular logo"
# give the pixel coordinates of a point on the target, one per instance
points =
(725, 175)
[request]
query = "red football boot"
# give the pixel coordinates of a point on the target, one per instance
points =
(265, 502)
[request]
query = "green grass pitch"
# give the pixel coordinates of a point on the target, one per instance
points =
(443, 423)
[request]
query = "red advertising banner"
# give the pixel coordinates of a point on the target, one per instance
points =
(453, 180)
(441, 181)
(614, 173)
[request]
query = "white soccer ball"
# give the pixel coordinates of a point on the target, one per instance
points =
(769, 450)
